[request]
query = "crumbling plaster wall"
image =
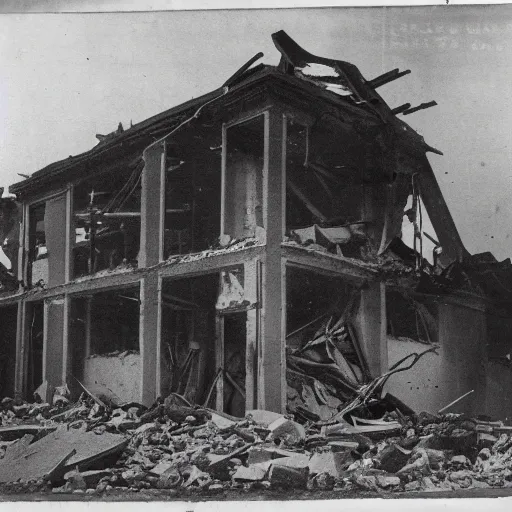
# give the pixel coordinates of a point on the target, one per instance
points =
(119, 374)
(437, 380)
(498, 401)
(421, 387)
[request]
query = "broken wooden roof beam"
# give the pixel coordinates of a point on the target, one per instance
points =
(388, 77)
(401, 108)
(422, 106)
(232, 79)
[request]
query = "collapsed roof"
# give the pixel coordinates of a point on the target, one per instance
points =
(300, 74)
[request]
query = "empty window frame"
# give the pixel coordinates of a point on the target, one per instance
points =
(106, 221)
(324, 175)
(243, 178)
(410, 318)
(37, 269)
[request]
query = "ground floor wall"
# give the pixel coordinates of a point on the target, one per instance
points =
(498, 399)
(118, 374)
(457, 368)
(437, 379)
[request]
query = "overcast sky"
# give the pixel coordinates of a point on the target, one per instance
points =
(66, 77)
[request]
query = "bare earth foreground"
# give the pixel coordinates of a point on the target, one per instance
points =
(264, 495)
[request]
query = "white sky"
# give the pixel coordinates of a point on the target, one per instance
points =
(66, 77)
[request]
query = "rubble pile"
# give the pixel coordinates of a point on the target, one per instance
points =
(174, 447)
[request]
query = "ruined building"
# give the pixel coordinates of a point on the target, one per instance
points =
(262, 246)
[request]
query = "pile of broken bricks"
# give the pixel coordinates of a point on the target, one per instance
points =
(177, 448)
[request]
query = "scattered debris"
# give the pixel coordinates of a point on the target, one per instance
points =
(79, 447)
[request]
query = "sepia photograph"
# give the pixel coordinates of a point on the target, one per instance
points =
(255, 254)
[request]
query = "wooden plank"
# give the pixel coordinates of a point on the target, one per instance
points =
(388, 77)
(440, 216)
(307, 203)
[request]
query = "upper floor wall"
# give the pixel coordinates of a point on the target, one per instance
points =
(270, 154)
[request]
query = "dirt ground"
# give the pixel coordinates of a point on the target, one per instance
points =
(266, 495)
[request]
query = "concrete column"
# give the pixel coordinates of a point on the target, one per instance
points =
(54, 337)
(149, 337)
(252, 293)
(272, 368)
(21, 351)
(152, 206)
(371, 329)
(88, 318)
(57, 236)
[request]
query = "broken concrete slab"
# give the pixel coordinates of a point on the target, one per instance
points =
(366, 482)
(196, 477)
(392, 458)
(252, 473)
(485, 440)
(387, 482)
(90, 447)
(16, 448)
(60, 451)
(40, 460)
(257, 455)
(263, 417)
(287, 430)
(91, 478)
(288, 477)
(219, 464)
(161, 468)
(419, 462)
(221, 422)
(333, 463)
(297, 461)
(170, 479)
(16, 431)
(267, 452)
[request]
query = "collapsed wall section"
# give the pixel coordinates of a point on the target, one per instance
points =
(104, 345)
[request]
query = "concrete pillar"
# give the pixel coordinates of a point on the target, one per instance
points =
(21, 352)
(57, 239)
(272, 369)
(149, 337)
(54, 337)
(370, 326)
(152, 206)
(151, 253)
(252, 293)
